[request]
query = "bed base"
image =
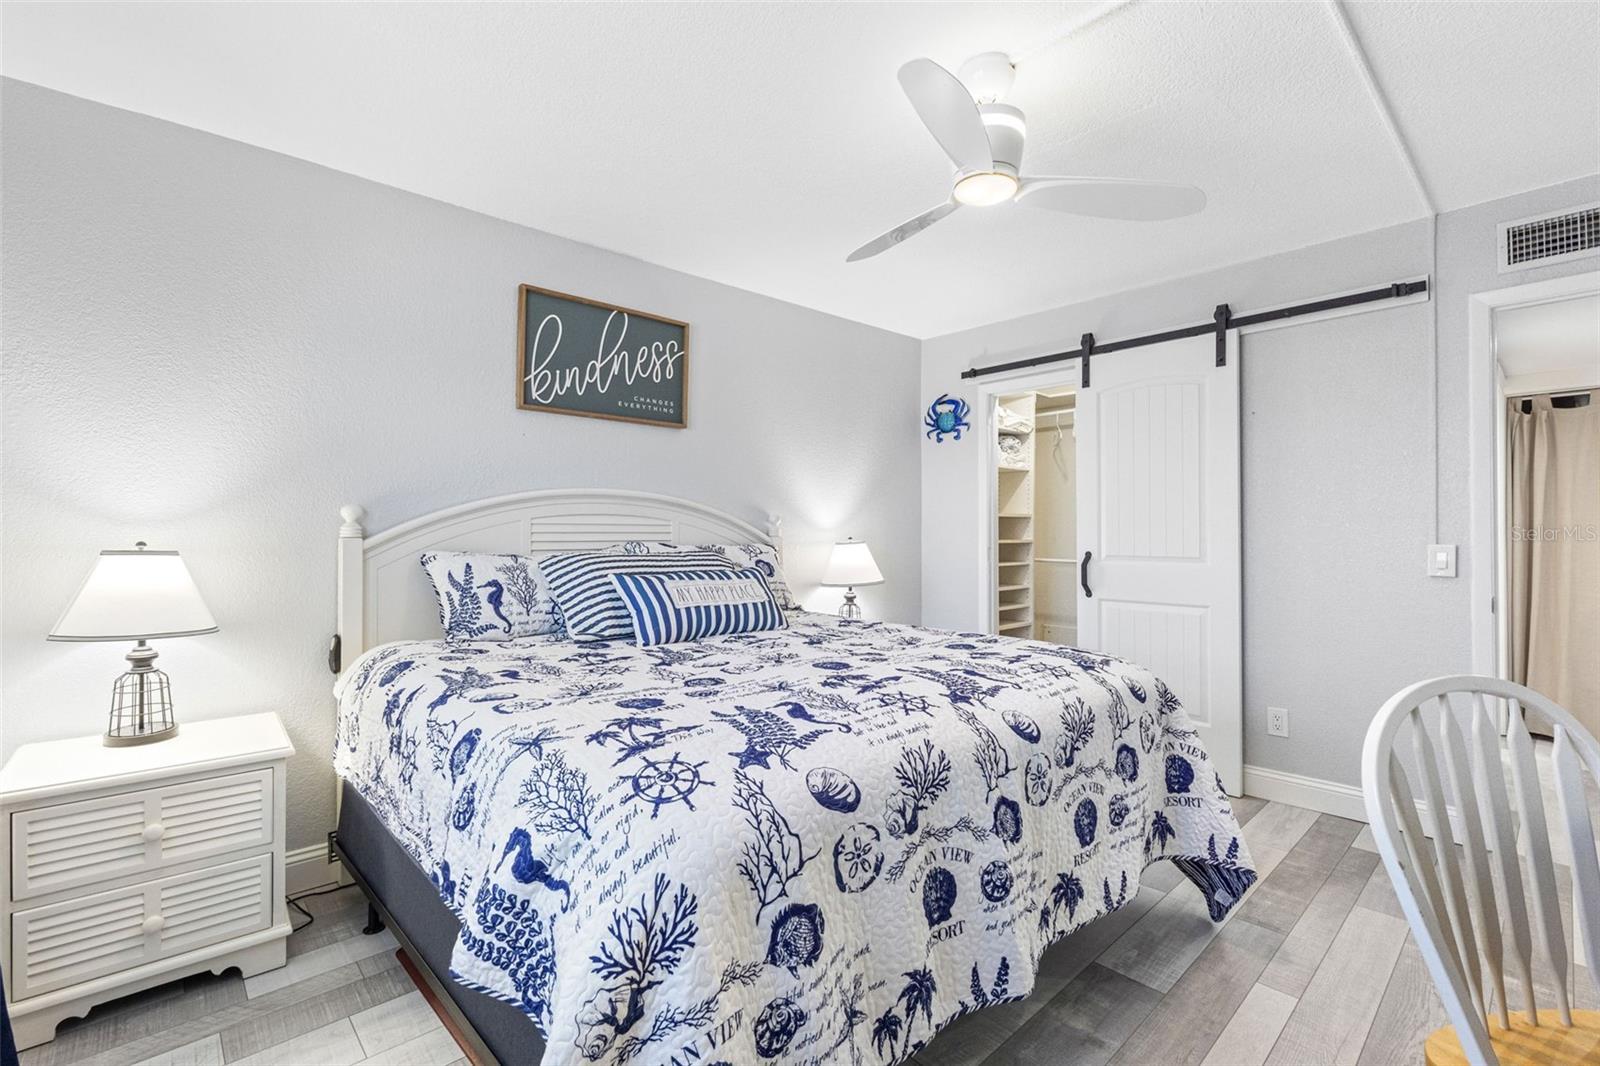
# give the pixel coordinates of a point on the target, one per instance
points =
(401, 897)
(432, 986)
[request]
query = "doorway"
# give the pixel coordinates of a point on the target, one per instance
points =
(1035, 515)
(1547, 372)
(1487, 383)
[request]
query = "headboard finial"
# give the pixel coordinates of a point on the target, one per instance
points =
(352, 514)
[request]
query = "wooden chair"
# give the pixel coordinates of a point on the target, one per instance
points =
(1465, 902)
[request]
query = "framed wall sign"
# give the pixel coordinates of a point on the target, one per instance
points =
(584, 357)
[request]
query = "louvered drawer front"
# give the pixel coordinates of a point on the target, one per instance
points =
(78, 844)
(66, 943)
(224, 814)
(94, 841)
(227, 901)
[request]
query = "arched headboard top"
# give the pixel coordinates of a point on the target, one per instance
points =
(383, 594)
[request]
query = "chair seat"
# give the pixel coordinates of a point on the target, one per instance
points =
(1547, 1044)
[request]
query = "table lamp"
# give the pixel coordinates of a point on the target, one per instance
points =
(851, 564)
(137, 595)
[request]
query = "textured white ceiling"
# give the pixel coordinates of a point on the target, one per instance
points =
(756, 144)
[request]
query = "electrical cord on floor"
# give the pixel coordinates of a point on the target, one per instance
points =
(294, 901)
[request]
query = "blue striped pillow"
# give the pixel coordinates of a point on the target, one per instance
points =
(590, 605)
(680, 605)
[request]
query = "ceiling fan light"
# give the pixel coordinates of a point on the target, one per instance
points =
(985, 188)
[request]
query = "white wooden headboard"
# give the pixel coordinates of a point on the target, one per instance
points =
(384, 595)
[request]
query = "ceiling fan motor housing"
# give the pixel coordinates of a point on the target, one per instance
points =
(1007, 132)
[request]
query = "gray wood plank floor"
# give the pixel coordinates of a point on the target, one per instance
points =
(1316, 966)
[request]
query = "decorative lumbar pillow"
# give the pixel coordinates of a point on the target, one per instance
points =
(590, 605)
(489, 597)
(763, 557)
(680, 605)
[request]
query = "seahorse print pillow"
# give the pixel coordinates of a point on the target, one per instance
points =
(490, 597)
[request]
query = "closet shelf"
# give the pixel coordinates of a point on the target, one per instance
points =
(1015, 461)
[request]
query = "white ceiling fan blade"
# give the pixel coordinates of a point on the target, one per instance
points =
(1136, 201)
(907, 229)
(948, 110)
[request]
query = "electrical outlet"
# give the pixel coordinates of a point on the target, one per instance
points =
(1277, 722)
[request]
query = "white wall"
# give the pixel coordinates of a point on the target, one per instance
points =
(210, 346)
(1338, 468)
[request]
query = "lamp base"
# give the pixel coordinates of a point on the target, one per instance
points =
(128, 740)
(141, 703)
(850, 608)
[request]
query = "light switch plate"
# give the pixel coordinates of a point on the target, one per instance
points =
(1441, 560)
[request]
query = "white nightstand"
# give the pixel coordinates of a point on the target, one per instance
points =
(130, 867)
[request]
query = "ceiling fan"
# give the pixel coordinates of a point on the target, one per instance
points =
(984, 138)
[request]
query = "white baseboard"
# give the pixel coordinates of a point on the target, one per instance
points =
(1327, 797)
(307, 868)
(1312, 793)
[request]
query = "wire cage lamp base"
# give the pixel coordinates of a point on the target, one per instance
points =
(141, 703)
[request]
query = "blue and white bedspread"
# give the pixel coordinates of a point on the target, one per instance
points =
(814, 845)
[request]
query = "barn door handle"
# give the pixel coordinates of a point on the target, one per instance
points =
(1083, 575)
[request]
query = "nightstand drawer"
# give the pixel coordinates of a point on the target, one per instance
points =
(92, 841)
(66, 943)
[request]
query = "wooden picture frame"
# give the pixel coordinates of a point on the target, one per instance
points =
(591, 345)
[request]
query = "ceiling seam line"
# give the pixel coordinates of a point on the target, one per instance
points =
(1402, 147)
(1380, 102)
(1098, 15)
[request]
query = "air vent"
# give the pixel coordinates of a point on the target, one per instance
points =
(1547, 239)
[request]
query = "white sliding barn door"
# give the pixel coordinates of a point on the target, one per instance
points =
(1158, 522)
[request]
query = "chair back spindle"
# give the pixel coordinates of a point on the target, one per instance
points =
(1580, 832)
(1541, 865)
(1490, 787)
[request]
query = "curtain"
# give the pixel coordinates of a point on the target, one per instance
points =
(1553, 577)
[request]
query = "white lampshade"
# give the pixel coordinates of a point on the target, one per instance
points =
(136, 595)
(851, 563)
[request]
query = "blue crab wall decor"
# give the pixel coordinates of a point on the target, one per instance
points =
(946, 416)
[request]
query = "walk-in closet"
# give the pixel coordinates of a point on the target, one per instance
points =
(1035, 517)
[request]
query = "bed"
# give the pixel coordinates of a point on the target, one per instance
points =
(808, 845)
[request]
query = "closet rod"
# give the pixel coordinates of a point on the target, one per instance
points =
(1100, 348)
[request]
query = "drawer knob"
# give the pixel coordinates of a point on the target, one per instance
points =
(154, 831)
(153, 923)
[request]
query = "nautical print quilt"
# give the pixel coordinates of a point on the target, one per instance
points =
(805, 846)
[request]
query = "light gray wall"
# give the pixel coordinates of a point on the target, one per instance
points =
(211, 347)
(1338, 468)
